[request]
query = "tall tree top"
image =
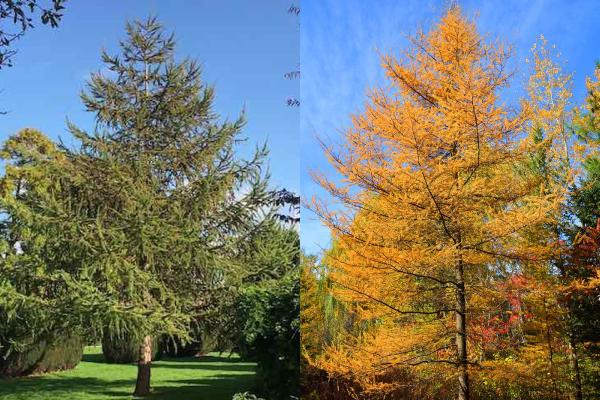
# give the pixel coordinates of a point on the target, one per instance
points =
(152, 110)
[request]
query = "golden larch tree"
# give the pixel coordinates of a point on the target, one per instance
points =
(435, 197)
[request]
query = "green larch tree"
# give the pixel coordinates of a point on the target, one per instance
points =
(154, 201)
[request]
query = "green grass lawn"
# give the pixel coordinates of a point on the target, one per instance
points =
(210, 377)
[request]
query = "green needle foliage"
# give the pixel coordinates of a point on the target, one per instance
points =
(269, 333)
(586, 195)
(266, 309)
(151, 209)
(31, 294)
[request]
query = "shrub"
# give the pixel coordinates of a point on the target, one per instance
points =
(43, 356)
(175, 347)
(125, 349)
(245, 396)
(268, 316)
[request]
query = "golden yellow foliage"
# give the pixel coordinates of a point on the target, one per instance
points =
(437, 198)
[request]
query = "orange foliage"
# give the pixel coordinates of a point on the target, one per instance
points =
(438, 203)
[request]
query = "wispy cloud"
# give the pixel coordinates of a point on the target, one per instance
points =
(340, 41)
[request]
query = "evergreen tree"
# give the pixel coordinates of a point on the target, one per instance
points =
(582, 296)
(586, 195)
(154, 203)
(30, 297)
(266, 327)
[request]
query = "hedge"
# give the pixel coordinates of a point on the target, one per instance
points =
(44, 356)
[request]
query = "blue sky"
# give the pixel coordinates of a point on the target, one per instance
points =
(245, 48)
(340, 41)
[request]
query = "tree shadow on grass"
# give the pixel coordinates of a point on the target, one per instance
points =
(220, 387)
(206, 359)
(224, 359)
(235, 377)
(61, 387)
(207, 367)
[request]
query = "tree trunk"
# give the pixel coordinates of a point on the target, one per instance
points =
(574, 363)
(461, 333)
(577, 394)
(142, 384)
(550, 351)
